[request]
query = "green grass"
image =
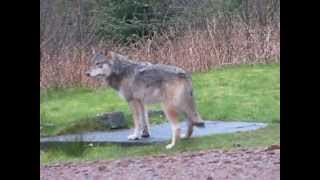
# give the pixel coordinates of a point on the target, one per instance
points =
(242, 93)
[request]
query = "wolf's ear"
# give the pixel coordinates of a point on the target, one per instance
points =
(93, 50)
(117, 56)
(108, 53)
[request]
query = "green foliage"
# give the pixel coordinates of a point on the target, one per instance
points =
(231, 5)
(131, 20)
(128, 20)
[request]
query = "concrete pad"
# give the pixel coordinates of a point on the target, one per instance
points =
(159, 133)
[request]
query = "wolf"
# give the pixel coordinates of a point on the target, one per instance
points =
(142, 83)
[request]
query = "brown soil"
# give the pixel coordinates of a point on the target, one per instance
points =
(262, 164)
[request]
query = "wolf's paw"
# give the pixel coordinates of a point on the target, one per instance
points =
(145, 134)
(169, 146)
(133, 137)
(199, 124)
(183, 136)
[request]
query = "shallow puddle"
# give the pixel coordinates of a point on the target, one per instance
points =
(159, 133)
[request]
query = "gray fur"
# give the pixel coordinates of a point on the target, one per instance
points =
(142, 83)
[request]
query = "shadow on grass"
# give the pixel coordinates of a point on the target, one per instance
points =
(93, 124)
(84, 125)
(88, 124)
(76, 149)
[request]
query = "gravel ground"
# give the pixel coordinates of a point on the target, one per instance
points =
(236, 164)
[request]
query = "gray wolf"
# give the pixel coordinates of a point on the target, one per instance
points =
(142, 83)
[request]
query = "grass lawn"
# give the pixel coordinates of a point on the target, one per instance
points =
(239, 93)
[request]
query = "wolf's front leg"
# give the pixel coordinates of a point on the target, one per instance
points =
(135, 109)
(145, 122)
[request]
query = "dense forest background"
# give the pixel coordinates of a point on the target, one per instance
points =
(196, 35)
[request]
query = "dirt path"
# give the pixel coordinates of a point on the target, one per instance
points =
(261, 164)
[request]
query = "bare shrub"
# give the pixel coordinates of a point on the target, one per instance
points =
(248, 37)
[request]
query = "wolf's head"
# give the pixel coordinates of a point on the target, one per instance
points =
(101, 65)
(109, 66)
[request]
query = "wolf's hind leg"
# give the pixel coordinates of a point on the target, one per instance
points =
(172, 116)
(188, 106)
(145, 121)
(189, 130)
(194, 118)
